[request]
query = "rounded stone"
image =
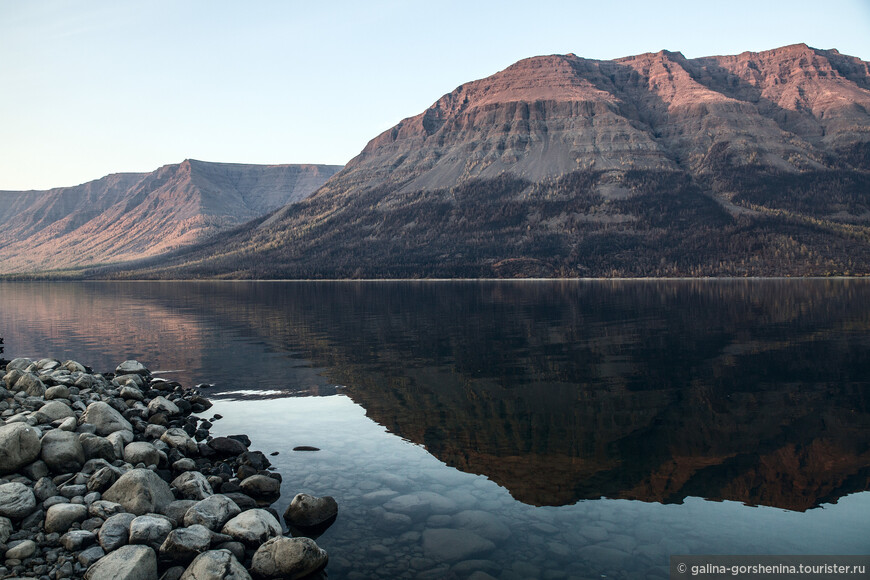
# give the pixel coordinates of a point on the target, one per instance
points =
(215, 564)
(261, 486)
(16, 501)
(20, 444)
(183, 544)
(141, 452)
(310, 511)
(140, 491)
(105, 418)
(21, 550)
(62, 451)
(55, 410)
(212, 512)
(125, 563)
(115, 531)
(131, 367)
(59, 517)
(150, 529)
(288, 558)
(192, 485)
(252, 527)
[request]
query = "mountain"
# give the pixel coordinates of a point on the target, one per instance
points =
(134, 215)
(651, 165)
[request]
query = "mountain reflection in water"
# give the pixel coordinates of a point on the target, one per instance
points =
(754, 391)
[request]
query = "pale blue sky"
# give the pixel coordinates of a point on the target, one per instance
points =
(89, 88)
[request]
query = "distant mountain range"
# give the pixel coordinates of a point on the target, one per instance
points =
(128, 216)
(651, 165)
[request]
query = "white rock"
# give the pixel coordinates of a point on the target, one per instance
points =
(252, 527)
(125, 563)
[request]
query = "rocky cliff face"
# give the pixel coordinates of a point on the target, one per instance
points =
(562, 166)
(130, 216)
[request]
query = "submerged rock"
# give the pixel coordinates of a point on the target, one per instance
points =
(307, 511)
(449, 545)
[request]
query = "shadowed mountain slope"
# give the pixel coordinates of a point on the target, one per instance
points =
(651, 165)
(134, 215)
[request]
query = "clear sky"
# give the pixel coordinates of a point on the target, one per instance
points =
(94, 87)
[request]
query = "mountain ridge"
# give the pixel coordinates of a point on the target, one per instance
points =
(129, 216)
(559, 166)
(756, 164)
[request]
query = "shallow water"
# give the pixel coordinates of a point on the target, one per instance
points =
(523, 429)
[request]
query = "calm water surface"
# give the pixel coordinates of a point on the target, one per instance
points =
(519, 429)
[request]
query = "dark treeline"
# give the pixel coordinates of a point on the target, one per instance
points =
(657, 223)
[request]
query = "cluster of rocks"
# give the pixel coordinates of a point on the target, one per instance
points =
(114, 476)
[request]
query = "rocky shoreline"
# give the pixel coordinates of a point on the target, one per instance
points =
(115, 476)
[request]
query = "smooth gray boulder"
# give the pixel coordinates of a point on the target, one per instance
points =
(192, 485)
(176, 510)
(16, 501)
(261, 486)
(141, 452)
(212, 512)
(134, 393)
(20, 364)
(56, 392)
(19, 445)
(161, 404)
(215, 565)
(183, 544)
(252, 527)
(119, 440)
(105, 509)
(105, 418)
(130, 381)
(96, 447)
(307, 511)
(115, 531)
(288, 558)
(75, 540)
(140, 491)
(179, 439)
(103, 478)
(59, 517)
(62, 451)
(74, 366)
(131, 367)
(21, 550)
(55, 410)
(150, 529)
(30, 384)
(125, 563)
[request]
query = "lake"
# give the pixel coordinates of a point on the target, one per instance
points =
(529, 429)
